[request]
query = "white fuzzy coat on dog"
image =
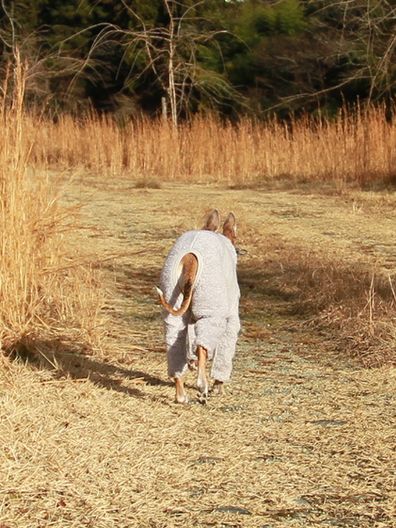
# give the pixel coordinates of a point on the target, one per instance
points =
(212, 320)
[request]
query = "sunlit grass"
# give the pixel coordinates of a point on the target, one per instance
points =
(355, 148)
(45, 294)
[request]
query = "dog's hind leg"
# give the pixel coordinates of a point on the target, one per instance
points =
(202, 380)
(181, 395)
(176, 334)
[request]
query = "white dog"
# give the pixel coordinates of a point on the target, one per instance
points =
(200, 296)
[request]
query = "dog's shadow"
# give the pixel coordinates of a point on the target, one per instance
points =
(66, 360)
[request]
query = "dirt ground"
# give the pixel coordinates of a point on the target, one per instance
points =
(305, 436)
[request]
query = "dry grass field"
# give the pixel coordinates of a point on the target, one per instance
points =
(89, 433)
(356, 148)
(304, 436)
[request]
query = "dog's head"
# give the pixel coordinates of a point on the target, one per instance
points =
(212, 223)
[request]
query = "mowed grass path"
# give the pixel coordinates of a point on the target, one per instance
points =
(303, 437)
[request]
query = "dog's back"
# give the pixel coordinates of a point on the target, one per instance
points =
(215, 288)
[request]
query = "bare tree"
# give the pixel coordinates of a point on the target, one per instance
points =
(20, 49)
(171, 53)
(368, 36)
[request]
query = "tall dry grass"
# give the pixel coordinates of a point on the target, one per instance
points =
(350, 305)
(45, 297)
(357, 147)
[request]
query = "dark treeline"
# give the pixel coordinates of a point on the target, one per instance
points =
(231, 57)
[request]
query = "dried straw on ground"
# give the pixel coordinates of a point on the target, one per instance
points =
(304, 436)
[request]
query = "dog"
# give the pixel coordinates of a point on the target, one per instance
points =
(200, 298)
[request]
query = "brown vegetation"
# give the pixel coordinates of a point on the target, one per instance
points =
(41, 286)
(303, 436)
(46, 293)
(356, 148)
(352, 306)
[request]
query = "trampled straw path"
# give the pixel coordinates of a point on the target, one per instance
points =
(304, 435)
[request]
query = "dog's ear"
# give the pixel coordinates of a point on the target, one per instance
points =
(229, 228)
(212, 222)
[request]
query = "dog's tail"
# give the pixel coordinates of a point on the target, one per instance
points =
(187, 296)
(189, 272)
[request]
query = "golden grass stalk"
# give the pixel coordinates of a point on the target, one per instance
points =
(40, 300)
(357, 147)
(351, 305)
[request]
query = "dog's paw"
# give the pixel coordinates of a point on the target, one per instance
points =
(182, 398)
(202, 398)
(203, 385)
